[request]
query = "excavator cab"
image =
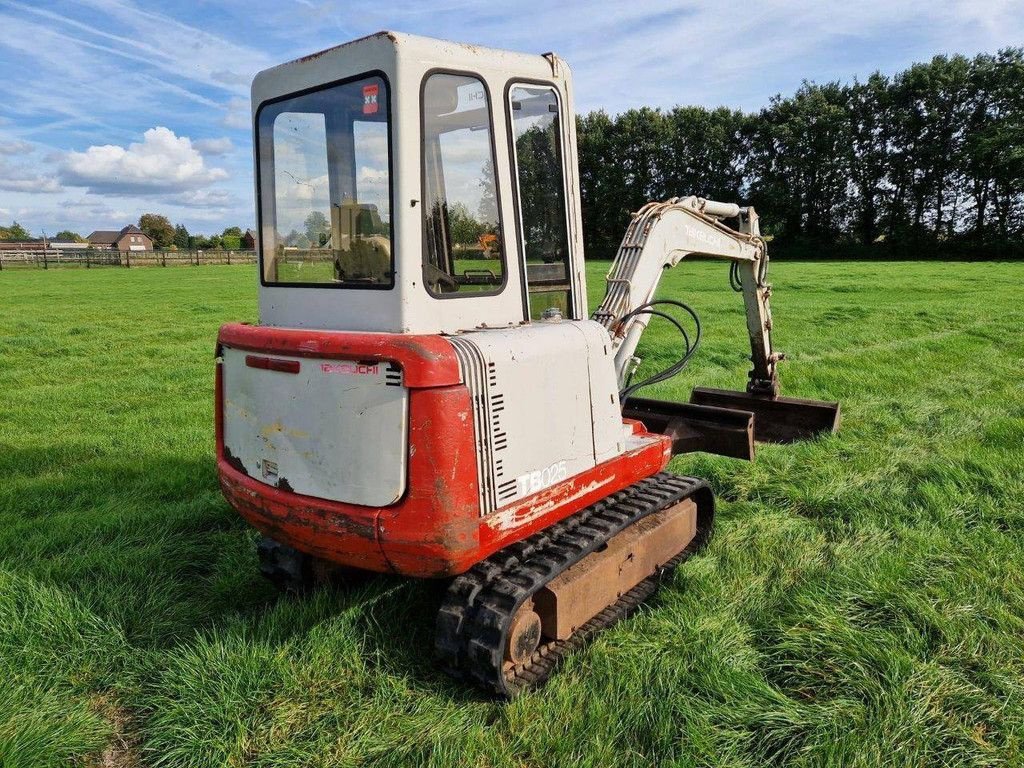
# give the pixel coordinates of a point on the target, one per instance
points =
(424, 391)
(407, 185)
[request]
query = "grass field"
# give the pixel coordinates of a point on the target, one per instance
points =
(861, 604)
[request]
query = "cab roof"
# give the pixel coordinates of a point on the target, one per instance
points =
(376, 51)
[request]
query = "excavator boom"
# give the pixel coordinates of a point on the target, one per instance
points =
(659, 236)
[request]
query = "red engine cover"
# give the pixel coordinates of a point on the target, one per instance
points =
(436, 528)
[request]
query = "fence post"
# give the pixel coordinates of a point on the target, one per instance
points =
(127, 259)
(163, 258)
(229, 258)
(87, 259)
(45, 264)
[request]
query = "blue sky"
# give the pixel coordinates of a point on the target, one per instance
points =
(111, 108)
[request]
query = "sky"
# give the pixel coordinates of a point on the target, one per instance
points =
(113, 108)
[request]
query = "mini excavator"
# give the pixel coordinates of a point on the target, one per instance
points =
(425, 394)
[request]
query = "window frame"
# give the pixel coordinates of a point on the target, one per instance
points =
(497, 183)
(514, 164)
(391, 181)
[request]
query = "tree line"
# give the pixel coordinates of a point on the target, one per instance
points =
(164, 234)
(926, 163)
(168, 236)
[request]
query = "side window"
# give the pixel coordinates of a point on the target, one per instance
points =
(463, 252)
(540, 185)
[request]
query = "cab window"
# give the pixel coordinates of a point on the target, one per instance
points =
(463, 250)
(540, 186)
(325, 192)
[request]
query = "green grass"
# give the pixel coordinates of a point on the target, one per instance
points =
(862, 601)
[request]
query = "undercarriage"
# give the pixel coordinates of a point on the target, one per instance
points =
(502, 625)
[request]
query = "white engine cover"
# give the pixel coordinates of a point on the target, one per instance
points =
(336, 429)
(546, 402)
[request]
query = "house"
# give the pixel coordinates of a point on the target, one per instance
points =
(249, 240)
(130, 238)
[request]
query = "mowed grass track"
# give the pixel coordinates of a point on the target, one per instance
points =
(861, 603)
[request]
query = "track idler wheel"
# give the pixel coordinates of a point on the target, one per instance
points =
(523, 635)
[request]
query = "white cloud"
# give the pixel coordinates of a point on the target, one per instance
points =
(15, 148)
(20, 178)
(228, 77)
(237, 114)
(213, 147)
(158, 41)
(161, 162)
(203, 198)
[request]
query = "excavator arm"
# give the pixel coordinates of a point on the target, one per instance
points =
(660, 235)
(658, 238)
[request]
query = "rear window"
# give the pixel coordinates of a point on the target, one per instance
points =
(324, 171)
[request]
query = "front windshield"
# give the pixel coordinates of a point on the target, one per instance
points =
(325, 198)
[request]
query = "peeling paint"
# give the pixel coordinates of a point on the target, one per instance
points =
(521, 514)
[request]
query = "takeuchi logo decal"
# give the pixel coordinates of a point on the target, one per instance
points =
(370, 93)
(352, 369)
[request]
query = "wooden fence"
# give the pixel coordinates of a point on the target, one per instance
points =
(52, 259)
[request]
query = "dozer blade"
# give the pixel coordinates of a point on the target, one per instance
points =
(776, 419)
(725, 431)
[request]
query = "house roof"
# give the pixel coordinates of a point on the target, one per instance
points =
(104, 236)
(110, 236)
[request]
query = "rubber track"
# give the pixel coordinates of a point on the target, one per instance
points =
(282, 566)
(473, 622)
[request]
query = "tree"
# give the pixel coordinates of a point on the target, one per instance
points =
(487, 208)
(800, 158)
(871, 134)
(463, 226)
(14, 232)
(181, 237)
(67, 236)
(231, 238)
(317, 226)
(599, 185)
(704, 153)
(158, 228)
(924, 162)
(541, 196)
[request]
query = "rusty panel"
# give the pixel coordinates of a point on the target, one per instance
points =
(575, 596)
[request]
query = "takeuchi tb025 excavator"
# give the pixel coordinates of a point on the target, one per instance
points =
(425, 393)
